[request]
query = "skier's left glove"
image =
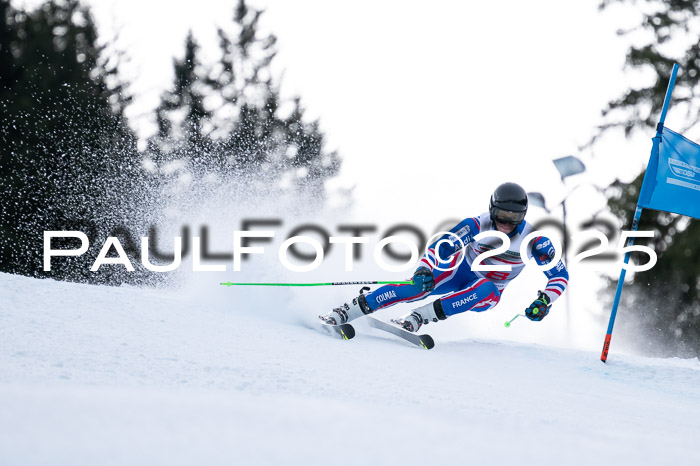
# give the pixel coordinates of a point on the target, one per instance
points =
(539, 308)
(423, 279)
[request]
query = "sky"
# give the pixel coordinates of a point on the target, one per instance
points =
(447, 100)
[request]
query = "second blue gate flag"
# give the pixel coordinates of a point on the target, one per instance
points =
(672, 180)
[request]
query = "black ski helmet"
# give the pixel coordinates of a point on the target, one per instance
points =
(508, 204)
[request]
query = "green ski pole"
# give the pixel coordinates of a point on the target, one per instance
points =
(409, 282)
(507, 324)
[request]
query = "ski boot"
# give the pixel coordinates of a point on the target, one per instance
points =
(348, 311)
(431, 312)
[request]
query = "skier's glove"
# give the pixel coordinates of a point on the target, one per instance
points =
(539, 308)
(423, 279)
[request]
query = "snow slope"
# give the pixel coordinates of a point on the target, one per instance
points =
(98, 375)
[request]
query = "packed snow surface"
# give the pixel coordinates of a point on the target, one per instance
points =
(101, 375)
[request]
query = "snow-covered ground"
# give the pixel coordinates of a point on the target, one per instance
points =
(98, 375)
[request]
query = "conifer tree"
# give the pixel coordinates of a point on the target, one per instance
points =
(251, 132)
(187, 139)
(66, 154)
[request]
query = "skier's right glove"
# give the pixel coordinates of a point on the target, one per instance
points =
(423, 279)
(539, 308)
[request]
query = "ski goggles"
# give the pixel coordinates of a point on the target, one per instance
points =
(507, 216)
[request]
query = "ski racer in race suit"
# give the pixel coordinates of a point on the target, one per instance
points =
(464, 288)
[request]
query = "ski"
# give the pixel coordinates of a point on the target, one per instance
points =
(344, 331)
(422, 341)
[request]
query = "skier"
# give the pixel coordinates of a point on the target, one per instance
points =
(465, 289)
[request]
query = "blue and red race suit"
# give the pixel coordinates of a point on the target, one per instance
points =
(470, 290)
